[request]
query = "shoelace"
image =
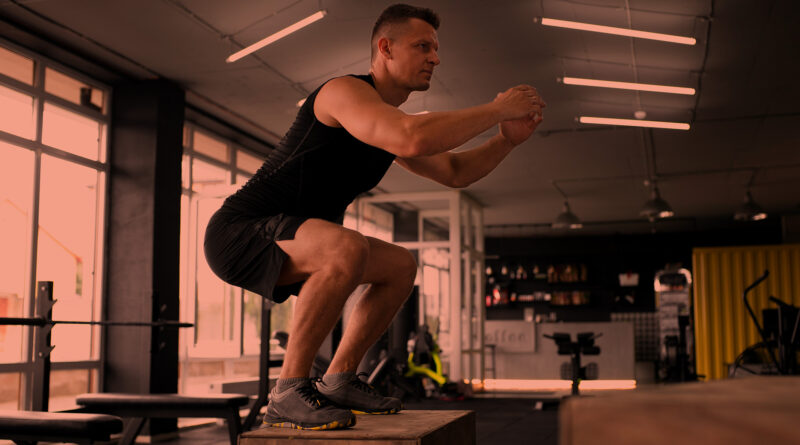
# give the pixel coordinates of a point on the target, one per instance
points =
(362, 385)
(310, 394)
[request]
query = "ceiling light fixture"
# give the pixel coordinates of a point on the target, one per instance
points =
(566, 219)
(628, 86)
(749, 210)
(617, 31)
(633, 123)
(277, 36)
(656, 207)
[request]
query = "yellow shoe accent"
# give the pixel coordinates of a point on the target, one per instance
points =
(328, 426)
(391, 411)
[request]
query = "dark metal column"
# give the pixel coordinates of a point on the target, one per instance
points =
(42, 347)
(144, 239)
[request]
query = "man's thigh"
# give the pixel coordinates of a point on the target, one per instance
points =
(317, 242)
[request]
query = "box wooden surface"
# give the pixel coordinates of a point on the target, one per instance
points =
(408, 427)
(753, 410)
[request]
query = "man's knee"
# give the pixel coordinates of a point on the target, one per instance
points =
(348, 258)
(406, 267)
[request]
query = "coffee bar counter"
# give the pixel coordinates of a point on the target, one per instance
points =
(521, 350)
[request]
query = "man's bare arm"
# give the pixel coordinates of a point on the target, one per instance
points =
(463, 168)
(350, 103)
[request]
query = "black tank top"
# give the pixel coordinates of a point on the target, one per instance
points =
(316, 171)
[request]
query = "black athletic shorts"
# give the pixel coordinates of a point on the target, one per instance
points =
(242, 251)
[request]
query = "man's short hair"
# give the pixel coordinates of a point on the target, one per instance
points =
(401, 13)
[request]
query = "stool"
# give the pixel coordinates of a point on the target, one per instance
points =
(33, 426)
(167, 406)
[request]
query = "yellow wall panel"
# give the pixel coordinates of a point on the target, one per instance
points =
(723, 328)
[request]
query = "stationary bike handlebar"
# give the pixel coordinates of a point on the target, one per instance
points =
(755, 319)
(749, 308)
(757, 282)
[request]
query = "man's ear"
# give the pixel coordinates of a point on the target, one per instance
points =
(384, 47)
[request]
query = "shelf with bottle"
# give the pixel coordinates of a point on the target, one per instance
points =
(551, 273)
(500, 296)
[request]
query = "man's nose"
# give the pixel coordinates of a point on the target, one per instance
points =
(434, 59)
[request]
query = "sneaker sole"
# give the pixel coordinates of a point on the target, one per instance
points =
(391, 411)
(284, 423)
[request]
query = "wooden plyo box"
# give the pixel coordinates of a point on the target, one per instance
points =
(408, 427)
(753, 410)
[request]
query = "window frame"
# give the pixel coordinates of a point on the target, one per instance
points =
(37, 91)
(194, 352)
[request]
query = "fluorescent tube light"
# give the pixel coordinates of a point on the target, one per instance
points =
(277, 36)
(619, 31)
(628, 85)
(633, 123)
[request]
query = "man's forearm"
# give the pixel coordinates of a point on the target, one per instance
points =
(443, 131)
(472, 165)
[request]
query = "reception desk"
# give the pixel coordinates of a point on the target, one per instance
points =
(522, 351)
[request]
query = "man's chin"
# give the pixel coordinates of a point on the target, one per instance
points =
(422, 86)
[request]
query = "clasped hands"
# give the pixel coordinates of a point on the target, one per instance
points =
(522, 108)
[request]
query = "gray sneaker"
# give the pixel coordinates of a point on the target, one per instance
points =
(302, 407)
(348, 391)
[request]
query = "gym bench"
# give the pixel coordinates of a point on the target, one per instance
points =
(29, 427)
(141, 407)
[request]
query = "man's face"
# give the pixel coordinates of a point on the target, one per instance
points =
(414, 54)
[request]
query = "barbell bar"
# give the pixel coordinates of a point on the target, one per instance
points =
(40, 321)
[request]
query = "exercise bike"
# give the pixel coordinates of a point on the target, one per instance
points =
(419, 375)
(776, 353)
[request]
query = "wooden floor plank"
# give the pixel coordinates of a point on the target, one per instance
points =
(408, 427)
(755, 410)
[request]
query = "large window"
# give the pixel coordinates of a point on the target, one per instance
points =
(226, 340)
(53, 124)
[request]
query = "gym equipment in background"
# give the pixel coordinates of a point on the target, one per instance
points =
(573, 370)
(673, 290)
(43, 323)
(423, 357)
(388, 377)
(776, 353)
(419, 376)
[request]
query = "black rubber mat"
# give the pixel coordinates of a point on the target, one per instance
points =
(505, 421)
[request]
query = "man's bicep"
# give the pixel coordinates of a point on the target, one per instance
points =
(358, 108)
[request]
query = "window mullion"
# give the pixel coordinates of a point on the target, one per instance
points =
(38, 80)
(52, 151)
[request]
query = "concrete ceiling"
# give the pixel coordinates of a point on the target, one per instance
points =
(744, 118)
